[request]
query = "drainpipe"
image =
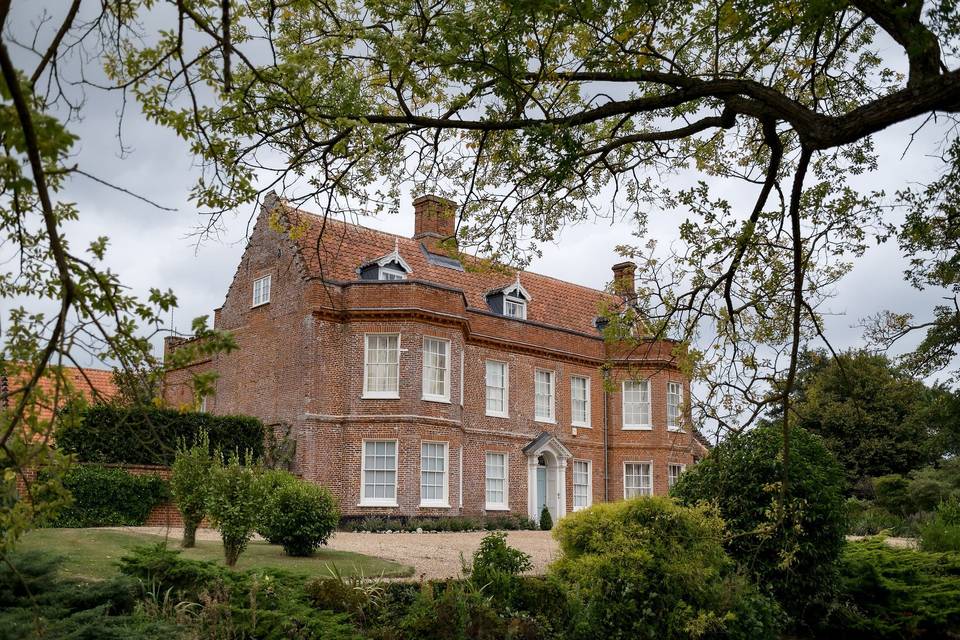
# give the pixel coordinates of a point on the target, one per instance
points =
(606, 450)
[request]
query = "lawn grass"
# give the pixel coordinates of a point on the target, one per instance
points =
(92, 554)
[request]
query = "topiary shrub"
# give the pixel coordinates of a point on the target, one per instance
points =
(654, 569)
(546, 521)
(791, 550)
(110, 497)
(234, 503)
(108, 433)
(299, 516)
(189, 478)
(270, 481)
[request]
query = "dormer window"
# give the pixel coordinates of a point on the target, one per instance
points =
(390, 267)
(510, 301)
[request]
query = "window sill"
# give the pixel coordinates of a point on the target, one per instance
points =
(368, 396)
(580, 426)
(675, 430)
(261, 304)
(377, 504)
(495, 508)
(433, 505)
(637, 428)
(497, 415)
(437, 399)
(545, 420)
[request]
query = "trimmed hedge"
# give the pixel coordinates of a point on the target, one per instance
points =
(110, 497)
(111, 434)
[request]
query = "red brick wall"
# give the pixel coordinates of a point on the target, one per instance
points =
(301, 361)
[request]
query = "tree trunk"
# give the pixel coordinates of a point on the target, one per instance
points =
(189, 535)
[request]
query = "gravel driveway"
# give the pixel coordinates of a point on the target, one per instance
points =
(432, 555)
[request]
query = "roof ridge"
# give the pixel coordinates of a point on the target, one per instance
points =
(474, 257)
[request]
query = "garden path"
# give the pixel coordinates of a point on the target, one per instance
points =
(432, 555)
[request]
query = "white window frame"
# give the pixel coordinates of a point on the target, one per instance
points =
(649, 464)
(674, 465)
(497, 506)
(395, 274)
(552, 418)
(589, 485)
(628, 426)
(586, 389)
(445, 396)
(367, 394)
(259, 285)
(506, 389)
(379, 502)
(518, 303)
(443, 502)
(678, 424)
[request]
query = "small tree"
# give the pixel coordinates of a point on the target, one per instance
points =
(234, 504)
(189, 482)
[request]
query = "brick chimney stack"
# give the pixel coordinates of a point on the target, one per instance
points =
(624, 283)
(435, 220)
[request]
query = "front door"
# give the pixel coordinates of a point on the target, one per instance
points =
(541, 489)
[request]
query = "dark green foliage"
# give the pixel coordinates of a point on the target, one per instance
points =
(270, 481)
(453, 611)
(546, 521)
(300, 516)
(110, 497)
(792, 551)
(496, 567)
(942, 533)
(266, 605)
(892, 494)
(453, 524)
(36, 602)
(149, 435)
(888, 593)
(874, 417)
(650, 568)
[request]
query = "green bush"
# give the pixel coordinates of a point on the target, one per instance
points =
(37, 601)
(651, 568)
(453, 523)
(270, 481)
(942, 533)
(792, 550)
(893, 494)
(234, 502)
(189, 478)
(873, 520)
(109, 433)
(452, 610)
(110, 497)
(888, 593)
(299, 516)
(546, 521)
(496, 567)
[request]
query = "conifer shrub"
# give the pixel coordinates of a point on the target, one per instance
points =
(546, 520)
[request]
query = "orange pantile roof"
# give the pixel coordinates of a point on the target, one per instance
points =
(333, 250)
(96, 385)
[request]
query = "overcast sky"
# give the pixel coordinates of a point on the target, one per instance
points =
(151, 248)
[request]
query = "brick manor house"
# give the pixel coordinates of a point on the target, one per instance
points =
(414, 386)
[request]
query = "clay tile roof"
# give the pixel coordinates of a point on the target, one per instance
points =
(96, 385)
(333, 250)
